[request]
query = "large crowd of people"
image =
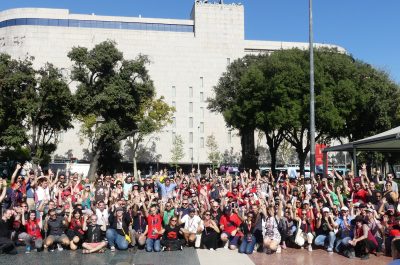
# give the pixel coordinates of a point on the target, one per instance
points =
(354, 216)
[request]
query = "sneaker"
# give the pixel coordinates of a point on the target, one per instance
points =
(112, 248)
(28, 249)
(330, 250)
(163, 249)
(364, 257)
(181, 247)
(59, 247)
(226, 245)
(279, 249)
(211, 249)
(255, 246)
(309, 248)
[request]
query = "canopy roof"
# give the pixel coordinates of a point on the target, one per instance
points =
(387, 141)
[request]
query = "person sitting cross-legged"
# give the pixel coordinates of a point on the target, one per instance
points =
(93, 233)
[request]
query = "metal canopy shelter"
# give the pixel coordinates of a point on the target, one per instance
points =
(388, 141)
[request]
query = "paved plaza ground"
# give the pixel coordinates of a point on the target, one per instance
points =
(188, 256)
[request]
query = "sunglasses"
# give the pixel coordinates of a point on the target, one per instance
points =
(207, 214)
(185, 203)
(173, 220)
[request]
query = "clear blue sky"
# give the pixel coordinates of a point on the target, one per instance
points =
(368, 29)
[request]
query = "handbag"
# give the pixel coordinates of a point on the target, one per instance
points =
(127, 237)
(299, 239)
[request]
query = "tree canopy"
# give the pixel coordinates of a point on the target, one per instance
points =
(113, 89)
(35, 106)
(271, 93)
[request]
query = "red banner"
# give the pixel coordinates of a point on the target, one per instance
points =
(319, 157)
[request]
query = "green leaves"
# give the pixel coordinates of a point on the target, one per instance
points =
(271, 93)
(177, 152)
(121, 92)
(36, 100)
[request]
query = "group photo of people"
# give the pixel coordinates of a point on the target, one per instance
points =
(251, 211)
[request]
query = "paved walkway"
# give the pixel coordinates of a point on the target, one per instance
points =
(188, 256)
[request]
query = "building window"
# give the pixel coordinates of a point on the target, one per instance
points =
(174, 104)
(173, 122)
(190, 137)
(201, 127)
(75, 23)
(190, 122)
(228, 61)
(201, 82)
(202, 112)
(190, 92)
(201, 96)
(229, 137)
(201, 142)
(173, 136)
(191, 107)
(191, 153)
(173, 91)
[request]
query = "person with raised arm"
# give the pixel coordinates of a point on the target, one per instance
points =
(93, 233)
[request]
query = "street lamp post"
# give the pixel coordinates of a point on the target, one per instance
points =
(312, 110)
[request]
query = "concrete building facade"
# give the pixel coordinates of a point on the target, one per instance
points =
(187, 59)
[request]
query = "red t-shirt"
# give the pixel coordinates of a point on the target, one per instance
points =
(76, 225)
(33, 229)
(230, 223)
(154, 222)
(360, 195)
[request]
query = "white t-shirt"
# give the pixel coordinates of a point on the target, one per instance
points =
(191, 224)
(100, 215)
(42, 194)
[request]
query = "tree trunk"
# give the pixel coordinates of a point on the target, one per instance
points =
(249, 158)
(94, 163)
(273, 152)
(302, 160)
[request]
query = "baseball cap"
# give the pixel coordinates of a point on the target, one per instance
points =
(227, 209)
(325, 210)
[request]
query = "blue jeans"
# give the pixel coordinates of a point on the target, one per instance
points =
(153, 244)
(321, 240)
(116, 239)
(247, 247)
(342, 243)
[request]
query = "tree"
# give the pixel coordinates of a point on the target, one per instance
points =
(375, 106)
(338, 94)
(112, 89)
(36, 100)
(152, 118)
(16, 77)
(49, 112)
(177, 151)
(267, 107)
(238, 104)
(214, 155)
